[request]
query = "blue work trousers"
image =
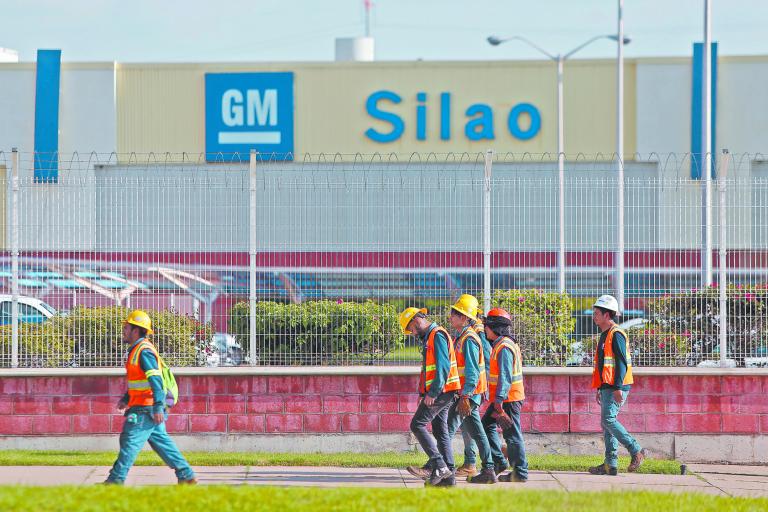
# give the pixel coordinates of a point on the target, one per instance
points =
(513, 436)
(138, 429)
(614, 432)
(473, 426)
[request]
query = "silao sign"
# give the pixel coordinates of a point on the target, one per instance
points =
(523, 120)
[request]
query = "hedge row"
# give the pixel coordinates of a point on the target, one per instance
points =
(318, 332)
(92, 337)
(682, 330)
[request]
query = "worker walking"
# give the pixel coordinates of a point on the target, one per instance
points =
(505, 385)
(469, 468)
(146, 405)
(472, 375)
(438, 384)
(612, 377)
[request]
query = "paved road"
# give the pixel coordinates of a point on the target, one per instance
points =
(709, 479)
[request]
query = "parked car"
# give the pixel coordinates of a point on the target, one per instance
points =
(586, 328)
(226, 351)
(634, 323)
(31, 310)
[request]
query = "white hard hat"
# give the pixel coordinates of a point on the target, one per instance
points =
(608, 302)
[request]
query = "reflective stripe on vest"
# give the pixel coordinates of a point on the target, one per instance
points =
(516, 391)
(139, 389)
(429, 365)
(608, 375)
(471, 334)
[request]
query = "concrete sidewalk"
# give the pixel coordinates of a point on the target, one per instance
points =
(710, 479)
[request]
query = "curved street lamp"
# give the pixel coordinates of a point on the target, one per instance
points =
(559, 60)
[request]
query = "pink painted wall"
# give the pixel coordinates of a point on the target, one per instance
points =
(321, 404)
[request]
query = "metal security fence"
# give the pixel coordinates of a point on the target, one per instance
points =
(260, 262)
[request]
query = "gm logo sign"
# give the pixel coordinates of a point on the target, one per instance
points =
(245, 111)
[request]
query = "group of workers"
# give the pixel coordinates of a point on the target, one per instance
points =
(485, 364)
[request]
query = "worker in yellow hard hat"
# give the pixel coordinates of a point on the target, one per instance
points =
(470, 448)
(438, 384)
(474, 387)
(144, 405)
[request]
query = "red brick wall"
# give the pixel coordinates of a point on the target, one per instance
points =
(321, 404)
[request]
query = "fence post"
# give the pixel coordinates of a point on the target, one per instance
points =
(721, 177)
(487, 230)
(620, 239)
(252, 251)
(15, 259)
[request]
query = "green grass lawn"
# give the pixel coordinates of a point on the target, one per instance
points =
(224, 499)
(356, 460)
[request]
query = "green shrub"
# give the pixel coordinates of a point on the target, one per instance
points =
(317, 332)
(543, 323)
(43, 345)
(92, 337)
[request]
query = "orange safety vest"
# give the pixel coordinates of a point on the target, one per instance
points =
(482, 384)
(139, 390)
(429, 366)
(609, 370)
(516, 392)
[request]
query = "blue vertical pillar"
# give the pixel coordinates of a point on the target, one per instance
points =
(47, 81)
(697, 106)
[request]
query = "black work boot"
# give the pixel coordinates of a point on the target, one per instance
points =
(440, 474)
(512, 477)
(487, 476)
(448, 482)
(603, 469)
(500, 467)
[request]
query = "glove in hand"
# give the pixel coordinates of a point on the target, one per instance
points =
(464, 407)
(504, 421)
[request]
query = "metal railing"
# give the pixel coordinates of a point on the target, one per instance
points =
(253, 261)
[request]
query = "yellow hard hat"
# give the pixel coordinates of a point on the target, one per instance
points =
(407, 315)
(141, 319)
(467, 305)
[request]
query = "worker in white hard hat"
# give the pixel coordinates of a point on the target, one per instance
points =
(612, 378)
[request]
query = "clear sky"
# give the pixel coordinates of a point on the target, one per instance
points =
(304, 30)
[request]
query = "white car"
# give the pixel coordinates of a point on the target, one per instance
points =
(634, 323)
(226, 351)
(31, 310)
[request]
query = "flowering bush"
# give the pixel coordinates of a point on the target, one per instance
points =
(694, 317)
(543, 323)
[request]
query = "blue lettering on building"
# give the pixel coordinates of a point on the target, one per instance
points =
(248, 111)
(523, 120)
(374, 110)
(513, 122)
(480, 123)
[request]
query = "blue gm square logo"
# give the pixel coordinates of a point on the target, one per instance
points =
(245, 111)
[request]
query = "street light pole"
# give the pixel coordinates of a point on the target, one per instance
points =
(620, 156)
(706, 147)
(560, 177)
